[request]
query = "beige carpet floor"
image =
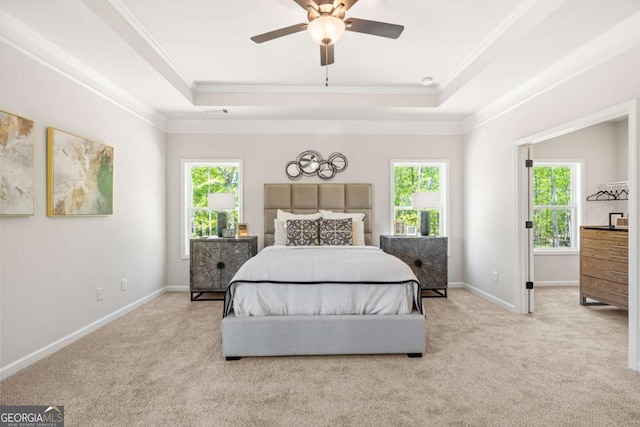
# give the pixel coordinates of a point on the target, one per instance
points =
(160, 365)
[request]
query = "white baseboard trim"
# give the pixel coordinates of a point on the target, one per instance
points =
(490, 297)
(455, 285)
(177, 288)
(557, 283)
(29, 359)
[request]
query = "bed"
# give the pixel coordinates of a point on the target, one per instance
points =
(313, 300)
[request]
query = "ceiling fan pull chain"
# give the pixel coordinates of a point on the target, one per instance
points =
(326, 70)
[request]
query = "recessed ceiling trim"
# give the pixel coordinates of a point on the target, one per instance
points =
(384, 90)
(124, 23)
(305, 127)
(18, 36)
(612, 43)
(302, 100)
(518, 23)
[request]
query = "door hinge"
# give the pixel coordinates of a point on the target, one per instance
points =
(529, 285)
(528, 163)
(528, 224)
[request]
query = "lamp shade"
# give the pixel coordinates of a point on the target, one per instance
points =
(220, 201)
(326, 29)
(425, 200)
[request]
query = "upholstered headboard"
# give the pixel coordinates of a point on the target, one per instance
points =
(309, 198)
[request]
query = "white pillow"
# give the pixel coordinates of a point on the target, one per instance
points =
(341, 215)
(357, 228)
(283, 216)
(280, 235)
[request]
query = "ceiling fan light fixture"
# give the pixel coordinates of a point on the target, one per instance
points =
(326, 29)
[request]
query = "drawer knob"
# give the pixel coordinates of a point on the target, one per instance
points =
(220, 265)
(417, 263)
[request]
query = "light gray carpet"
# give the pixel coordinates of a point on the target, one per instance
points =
(161, 365)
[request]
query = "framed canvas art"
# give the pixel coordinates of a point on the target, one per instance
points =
(79, 175)
(16, 165)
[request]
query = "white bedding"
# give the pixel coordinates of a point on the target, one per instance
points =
(321, 280)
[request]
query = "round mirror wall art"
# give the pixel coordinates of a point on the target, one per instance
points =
(310, 163)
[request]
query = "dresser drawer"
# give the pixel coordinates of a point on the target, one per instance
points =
(609, 270)
(606, 253)
(599, 289)
(620, 236)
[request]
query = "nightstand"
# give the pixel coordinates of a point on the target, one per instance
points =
(427, 257)
(214, 262)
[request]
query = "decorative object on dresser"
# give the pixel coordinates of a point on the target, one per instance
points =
(221, 202)
(604, 266)
(427, 257)
(424, 201)
(311, 163)
(214, 262)
(399, 228)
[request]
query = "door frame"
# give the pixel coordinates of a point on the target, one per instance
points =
(628, 110)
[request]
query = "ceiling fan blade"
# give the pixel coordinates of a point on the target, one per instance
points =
(261, 38)
(326, 55)
(346, 4)
(374, 28)
(306, 4)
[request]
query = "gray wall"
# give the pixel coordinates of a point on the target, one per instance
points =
(50, 268)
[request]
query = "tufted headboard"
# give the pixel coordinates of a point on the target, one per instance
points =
(309, 198)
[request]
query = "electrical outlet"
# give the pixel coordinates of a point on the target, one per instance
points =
(123, 285)
(496, 277)
(99, 294)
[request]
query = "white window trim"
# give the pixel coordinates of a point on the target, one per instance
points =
(444, 190)
(578, 202)
(184, 201)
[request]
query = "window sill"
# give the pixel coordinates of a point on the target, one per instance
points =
(548, 252)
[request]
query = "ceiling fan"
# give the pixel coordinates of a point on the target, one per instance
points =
(327, 24)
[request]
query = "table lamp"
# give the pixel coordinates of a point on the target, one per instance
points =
(423, 201)
(221, 202)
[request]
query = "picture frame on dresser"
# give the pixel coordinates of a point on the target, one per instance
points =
(399, 228)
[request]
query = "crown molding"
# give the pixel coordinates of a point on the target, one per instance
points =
(205, 87)
(602, 49)
(305, 127)
(16, 35)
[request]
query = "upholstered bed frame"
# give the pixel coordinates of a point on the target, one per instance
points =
(335, 334)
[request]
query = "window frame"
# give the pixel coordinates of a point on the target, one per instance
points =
(443, 164)
(577, 185)
(186, 186)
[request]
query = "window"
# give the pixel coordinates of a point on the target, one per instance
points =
(556, 209)
(414, 176)
(201, 177)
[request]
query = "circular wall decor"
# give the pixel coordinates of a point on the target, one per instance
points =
(310, 163)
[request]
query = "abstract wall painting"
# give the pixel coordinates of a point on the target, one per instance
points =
(16, 165)
(79, 175)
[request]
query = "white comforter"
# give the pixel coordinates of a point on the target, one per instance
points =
(311, 280)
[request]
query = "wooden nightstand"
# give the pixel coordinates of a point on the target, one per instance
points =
(215, 261)
(427, 257)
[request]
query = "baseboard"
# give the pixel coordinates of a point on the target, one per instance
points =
(490, 297)
(45, 351)
(177, 288)
(558, 283)
(453, 285)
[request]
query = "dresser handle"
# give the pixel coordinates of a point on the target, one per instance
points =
(417, 263)
(619, 247)
(618, 257)
(220, 265)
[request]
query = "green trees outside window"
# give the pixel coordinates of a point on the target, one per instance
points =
(554, 206)
(417, 177)
(200, 179)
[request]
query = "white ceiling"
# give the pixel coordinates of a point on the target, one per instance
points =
(173, 60)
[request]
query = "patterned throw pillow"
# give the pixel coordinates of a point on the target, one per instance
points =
(336, 232)
(302, 232)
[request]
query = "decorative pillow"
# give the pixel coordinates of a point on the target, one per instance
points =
(336, 232)
(358, 223)
(302, 232)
